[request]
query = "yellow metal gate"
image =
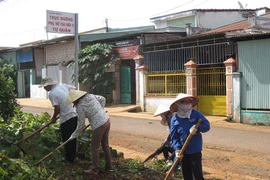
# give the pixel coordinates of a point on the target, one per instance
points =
(166, 84)
(211, 89)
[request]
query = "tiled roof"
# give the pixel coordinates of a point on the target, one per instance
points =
(232, 27)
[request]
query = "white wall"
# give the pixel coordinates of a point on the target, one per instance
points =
(151, 103)
(161, 24)
(217, 19)
(37, 92)
(236, 88)
(66, 75)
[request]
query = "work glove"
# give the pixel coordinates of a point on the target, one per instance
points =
(178, 155)
(193, 130)
(73, 136)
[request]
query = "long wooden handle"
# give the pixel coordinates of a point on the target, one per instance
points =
(181, 152)
(37, 131)
(45, 157)
(64, 143)
(151, 156)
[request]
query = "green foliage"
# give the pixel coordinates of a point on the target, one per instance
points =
(17, 169)
(94, 61)
(8, 102)
(13, 165)
(84, 142)
(22, 125)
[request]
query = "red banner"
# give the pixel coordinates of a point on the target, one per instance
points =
(128, 52)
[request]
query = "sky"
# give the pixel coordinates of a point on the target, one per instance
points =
(24, 21)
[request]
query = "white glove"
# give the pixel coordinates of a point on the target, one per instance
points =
(193, 130)
(73, 136)
(177, 154)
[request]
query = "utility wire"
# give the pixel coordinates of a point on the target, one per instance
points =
(5, 5)
(201, 3)
(15, 33)
(155, 14)
(163, 11)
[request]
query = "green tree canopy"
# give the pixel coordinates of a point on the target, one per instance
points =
(94, 62)
(8, 102)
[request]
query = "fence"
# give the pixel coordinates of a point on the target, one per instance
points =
(166, 84)
(211, 81)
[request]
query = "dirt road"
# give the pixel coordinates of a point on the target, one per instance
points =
(231, 151)
(228, 153)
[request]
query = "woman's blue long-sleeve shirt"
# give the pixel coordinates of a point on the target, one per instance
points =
(179, 132)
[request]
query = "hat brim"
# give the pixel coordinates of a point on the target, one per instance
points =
(74, 95)
(174, 107)
(161, 109)
(47, 84)
(155, 115)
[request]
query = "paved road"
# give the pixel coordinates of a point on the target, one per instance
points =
(217, 136)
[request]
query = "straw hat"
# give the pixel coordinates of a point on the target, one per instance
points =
(161, 109)
(181, 96)
(46, 82)
(74, 95)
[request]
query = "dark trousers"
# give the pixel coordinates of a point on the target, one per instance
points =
(192, 166)
(67, 128)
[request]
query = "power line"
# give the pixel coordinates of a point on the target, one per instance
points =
(202, 3)
(6, 5)
(156, 14)
(15, 33)
(162, 12)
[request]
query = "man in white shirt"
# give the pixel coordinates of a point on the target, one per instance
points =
(58, 94)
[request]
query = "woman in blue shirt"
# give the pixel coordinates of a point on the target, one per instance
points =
(183, 124)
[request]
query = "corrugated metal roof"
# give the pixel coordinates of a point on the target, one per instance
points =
(234, 34)
(117, 32)
(40, 43)
(5, 48)
(111, 35)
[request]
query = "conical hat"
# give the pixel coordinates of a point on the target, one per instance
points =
(74, 95)
(161, 109)
(181, 96)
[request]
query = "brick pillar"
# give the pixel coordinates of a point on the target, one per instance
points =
(142, 70)
(139, 60)
(191, 78)
(230, 68)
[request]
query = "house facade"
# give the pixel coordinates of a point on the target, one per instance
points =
(127, 42)
(218, 66)
(23, 60)
(156, 64)
(205, 19)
